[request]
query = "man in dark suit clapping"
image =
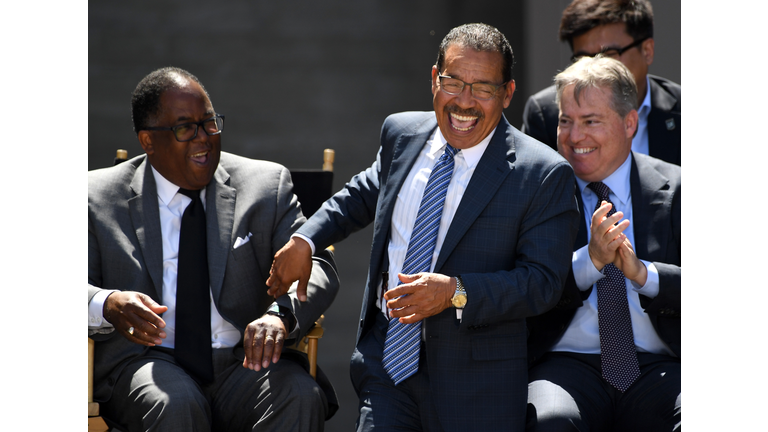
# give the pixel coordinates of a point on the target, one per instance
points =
(607, 357)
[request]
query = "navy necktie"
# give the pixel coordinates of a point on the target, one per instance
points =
(193, 306)
(618, 357)
(403, 342)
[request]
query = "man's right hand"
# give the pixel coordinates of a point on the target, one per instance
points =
(130, 309)
(292, 262)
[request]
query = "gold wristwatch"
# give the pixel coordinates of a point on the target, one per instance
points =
(459, 299)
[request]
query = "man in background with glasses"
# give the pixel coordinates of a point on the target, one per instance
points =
(180, 241)
(623, 30)
(473, 224)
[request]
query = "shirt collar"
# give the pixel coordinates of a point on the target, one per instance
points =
(166, 190)
(471, 155)
(618, 181)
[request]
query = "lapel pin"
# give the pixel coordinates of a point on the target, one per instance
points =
(670, 124)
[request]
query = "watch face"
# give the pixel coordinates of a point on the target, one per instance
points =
(459, 301)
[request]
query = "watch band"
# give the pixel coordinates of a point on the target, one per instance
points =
(284, 314)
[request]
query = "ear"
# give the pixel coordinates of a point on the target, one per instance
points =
(509, 91)
(630, 124)
(435, 72)
(647, 49)
(145, 139)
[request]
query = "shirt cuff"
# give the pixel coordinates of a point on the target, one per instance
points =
(306, 239)
(96, 310)
(584, 271)
(651, 287)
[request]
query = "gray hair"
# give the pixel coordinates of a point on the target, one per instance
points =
(482, 38)
(600, 71)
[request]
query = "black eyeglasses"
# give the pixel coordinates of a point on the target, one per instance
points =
(188, 131)
(610, 52)
(482, 91)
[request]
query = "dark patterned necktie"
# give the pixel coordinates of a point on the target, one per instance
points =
(618, 356)
(193, 306)
(403, 342)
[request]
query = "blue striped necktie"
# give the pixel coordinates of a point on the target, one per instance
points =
(403, 341)
(618, 357)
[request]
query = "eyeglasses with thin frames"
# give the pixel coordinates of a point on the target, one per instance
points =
(481, 91)
(188, 131)
(610, 52)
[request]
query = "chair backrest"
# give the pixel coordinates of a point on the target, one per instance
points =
(313, 187)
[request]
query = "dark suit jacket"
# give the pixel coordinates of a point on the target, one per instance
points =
(244, 196)
(541, 113)
(655, 188)
(510, 241)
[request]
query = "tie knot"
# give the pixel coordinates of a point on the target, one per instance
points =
(193, 194)
(601, 190)
(450, 152)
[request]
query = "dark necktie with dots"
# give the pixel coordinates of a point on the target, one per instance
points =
(193, 348)
(618, 357)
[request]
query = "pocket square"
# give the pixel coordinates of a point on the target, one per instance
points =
(241, 241)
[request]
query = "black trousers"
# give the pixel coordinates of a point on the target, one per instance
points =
(566, 392)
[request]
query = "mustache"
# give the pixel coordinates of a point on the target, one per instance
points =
(463, 112)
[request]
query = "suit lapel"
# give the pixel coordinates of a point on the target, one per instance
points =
(145, 216)
(647, 196)
(660, 120)
(581, 236)
(497, 162)
(220, 201)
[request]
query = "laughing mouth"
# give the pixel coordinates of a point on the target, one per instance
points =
(463, 123)
(584, 150)
(200, 157)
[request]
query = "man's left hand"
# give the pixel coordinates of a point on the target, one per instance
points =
(263, 342)
(630, 264)
(420, 296)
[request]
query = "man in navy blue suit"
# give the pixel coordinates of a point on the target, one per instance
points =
(607, 357)
(501, 252)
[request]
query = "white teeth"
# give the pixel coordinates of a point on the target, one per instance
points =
(463, 118)
(462, 129)
(201, 154)
(584, 150)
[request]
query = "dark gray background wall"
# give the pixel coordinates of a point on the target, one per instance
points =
(294, 78)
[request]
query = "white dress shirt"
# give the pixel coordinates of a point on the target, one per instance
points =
(582, 335)
(171, 205)
(640, 141)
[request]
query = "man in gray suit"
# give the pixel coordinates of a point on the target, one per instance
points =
(621, 29)
(140, 313)
(500, 250)
(607, 357)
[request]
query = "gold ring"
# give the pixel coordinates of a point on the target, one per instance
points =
(269, 338)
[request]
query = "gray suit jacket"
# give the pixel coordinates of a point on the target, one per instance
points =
(510, 240)
(541, 113)
(244, 196)
(655, 188)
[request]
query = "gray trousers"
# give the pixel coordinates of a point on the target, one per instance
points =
(153, 393)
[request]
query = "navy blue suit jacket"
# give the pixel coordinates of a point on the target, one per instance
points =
(510, 240)
(655, 188)
(541, 113)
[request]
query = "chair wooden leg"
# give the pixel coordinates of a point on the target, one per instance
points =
(312, 355)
